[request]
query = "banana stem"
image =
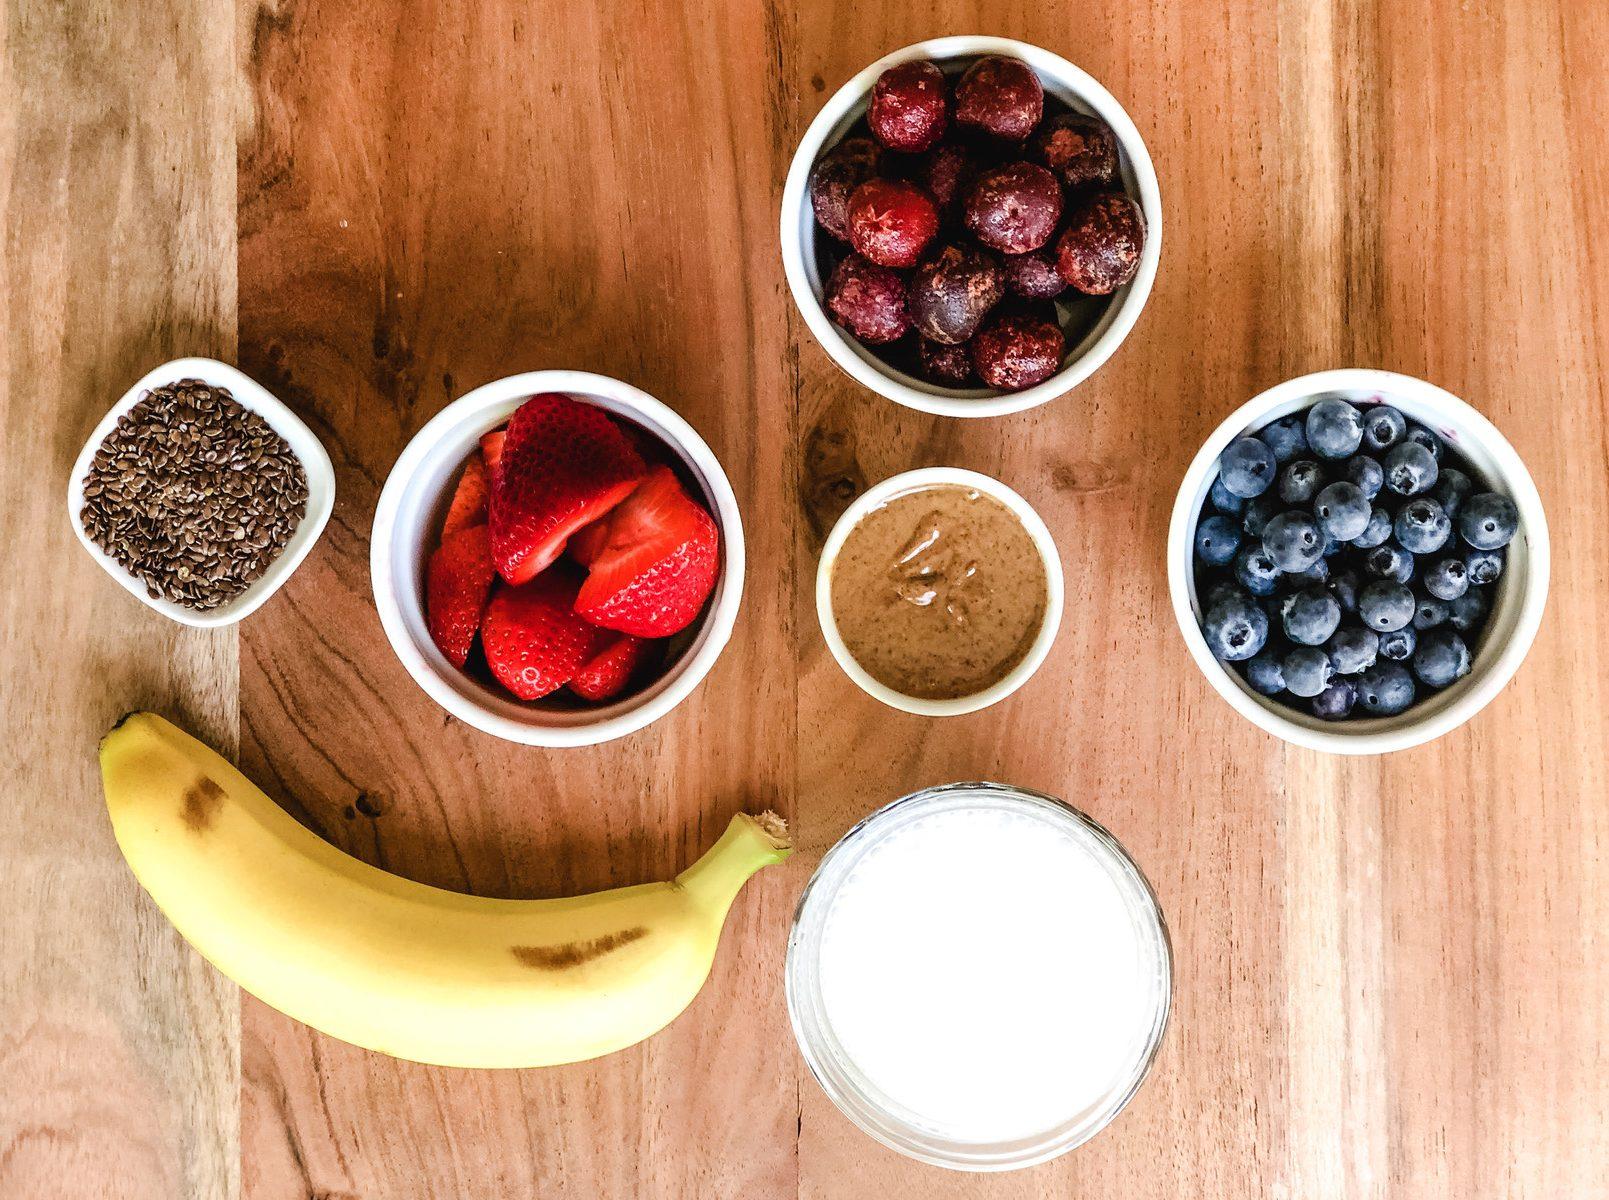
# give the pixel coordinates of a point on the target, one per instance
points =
(748, 844)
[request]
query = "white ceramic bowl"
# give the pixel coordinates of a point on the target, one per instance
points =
(250, 395)
(910, 481)
(407, 523)
(1521, 591)
(1062, 80)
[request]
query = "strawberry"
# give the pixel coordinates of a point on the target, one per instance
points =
(457, 581)
(658, 564)
(611, 668)
(533, 640)
(491, 449)
(469, 500)
(587, 542)
(564, 464)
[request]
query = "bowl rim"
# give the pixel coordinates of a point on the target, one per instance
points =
(251, 395)
(1044, 542)
(949, 402)
(1397, 733)
(612, 721)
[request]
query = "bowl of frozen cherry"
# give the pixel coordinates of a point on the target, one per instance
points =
(557, 558)
(1358, 561)
(971, 226)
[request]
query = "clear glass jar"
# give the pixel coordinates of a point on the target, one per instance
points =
(898, 1125)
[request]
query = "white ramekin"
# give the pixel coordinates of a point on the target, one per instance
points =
(408, 519)
(250, 395)
(847, 105)
(910, 481)
(1522, 589)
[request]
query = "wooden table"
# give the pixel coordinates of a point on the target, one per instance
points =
(1391, 972)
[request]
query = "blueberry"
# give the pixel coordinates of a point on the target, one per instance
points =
(1488, 521)
(1300, 481)
(1447, 579)
(1218, 591)
(1335, 702)
(1293, 541)
(1307, 671)
(1286, 437)
(1255, 571)
(1399, 643)
(1452, 489)
(1344, 585)
(1389, 561)
(1225, 501)
(1385, 605)
(1430, 612)
(1310, 617)
(1440, 658)
(1422, 527)
(1385, 689)
(1259, 512)
(1264, 672)
(1383, 427)
(1334, 429)
(1352, 648)
(1343, 511)
(1366, 472)
(1217, 539)
(1376, 531)
(1236, 628)
(1427, 439)
(1247, 467)
(1484, 565)
(1316, 575)
(1468, 611)
(1410, 469)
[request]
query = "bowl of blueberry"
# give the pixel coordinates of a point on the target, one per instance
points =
(1358, 561)
(971, 226)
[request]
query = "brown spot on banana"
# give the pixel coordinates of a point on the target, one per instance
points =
(200, 804)
(573, 954)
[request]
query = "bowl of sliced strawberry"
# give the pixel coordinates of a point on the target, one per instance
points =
(557, 558)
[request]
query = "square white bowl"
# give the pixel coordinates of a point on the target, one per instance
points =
(1062, 81)
(1521, 591)
(250, 395)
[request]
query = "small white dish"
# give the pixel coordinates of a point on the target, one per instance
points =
(1062, 80)
(911, 481)
(1522, 589)
(250, 395)
(408, 520)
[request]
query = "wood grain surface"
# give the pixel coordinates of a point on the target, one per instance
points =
(1391, 973)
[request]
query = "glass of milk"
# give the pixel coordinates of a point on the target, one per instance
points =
(979, 976)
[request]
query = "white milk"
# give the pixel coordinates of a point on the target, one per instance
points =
(994, 972)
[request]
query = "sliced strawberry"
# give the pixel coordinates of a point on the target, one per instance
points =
(564, 465)
(469, 500)
(587, 542)
(658, 565)
(533, 640)
(458, 579)
(611, 668)
(491, 449)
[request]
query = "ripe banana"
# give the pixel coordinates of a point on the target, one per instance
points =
(396, 966)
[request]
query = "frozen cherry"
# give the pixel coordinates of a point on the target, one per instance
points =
(868, 300)
(949, 365)
(945, 171)
(1014, 208)
(1001, 96)
(1034, 276)
(891, 222)
(951, 293)
(1016, 351)
(1100, 251)
(834, 179)
(907, 107)
(1079, 150)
